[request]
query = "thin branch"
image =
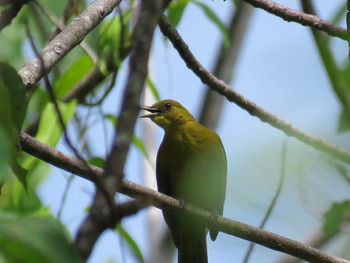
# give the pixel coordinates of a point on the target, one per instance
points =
(226, 225)
(70, 37)
(292, 15)
(233, 96)
(105, 93)
(274, 199)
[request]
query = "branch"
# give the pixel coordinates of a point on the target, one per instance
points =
(70, 37)
(226, 225)
(233, 96)
(114, 168)
(299, 17)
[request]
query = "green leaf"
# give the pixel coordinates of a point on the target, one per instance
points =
(153, 88)
(130, 242)
(139, 144)
(17, 94)
(73, 76)
(34, 239)
(8, 135)
(216, 20)
(98, 162)
(5, 156)
(50, 130)
(110, 39)
(111, 118)
(338, 15)
(175, 11)
(335, 216)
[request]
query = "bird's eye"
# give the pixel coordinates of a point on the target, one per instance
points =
(168, 105)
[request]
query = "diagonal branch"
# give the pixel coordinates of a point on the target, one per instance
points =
(70, 37)
(221, 87)
(226, 225)
(292, 15)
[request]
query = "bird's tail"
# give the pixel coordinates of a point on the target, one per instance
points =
(193, 246)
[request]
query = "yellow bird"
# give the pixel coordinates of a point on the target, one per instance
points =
(191, 166)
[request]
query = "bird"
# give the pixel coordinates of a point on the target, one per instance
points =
(191, 166)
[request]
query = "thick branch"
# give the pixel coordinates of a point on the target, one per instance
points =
(233, 96)
(226, 225)
(114, 169)
(300, 17)
(71, 36)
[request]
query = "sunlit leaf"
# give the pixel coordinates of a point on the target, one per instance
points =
(50, 130)
(139, 145)
(335, 216)
(113, 35)
(153, 88)
(98, 162)
(175, 11)
(130, 242)
(73, 76)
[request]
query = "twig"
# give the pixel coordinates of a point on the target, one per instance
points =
(105, 93)
(233, 96)
(226, 225)
(299, 17)
(274, 199)
(70, 37)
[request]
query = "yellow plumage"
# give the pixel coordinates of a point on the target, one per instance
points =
(191, 166)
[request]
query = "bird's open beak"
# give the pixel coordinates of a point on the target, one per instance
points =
(153, 112)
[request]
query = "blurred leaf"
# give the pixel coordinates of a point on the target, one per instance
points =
(50, 130)
(34, 239)
(73, 75)
(12, 38)
(216, 20)
(339, 14)
(111, 118)
(153, 88)
(335, 216)
(98, 162)
(36, 104)
(175, 11)
(17, 94)
(139, 144)
(5, 156)
(344, 122)
(110, 39)
(6, 113)
(130, 242)
(9, 128)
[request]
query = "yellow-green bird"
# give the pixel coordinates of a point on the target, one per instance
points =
(191, 166)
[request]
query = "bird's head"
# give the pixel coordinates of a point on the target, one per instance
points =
(168, 114)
